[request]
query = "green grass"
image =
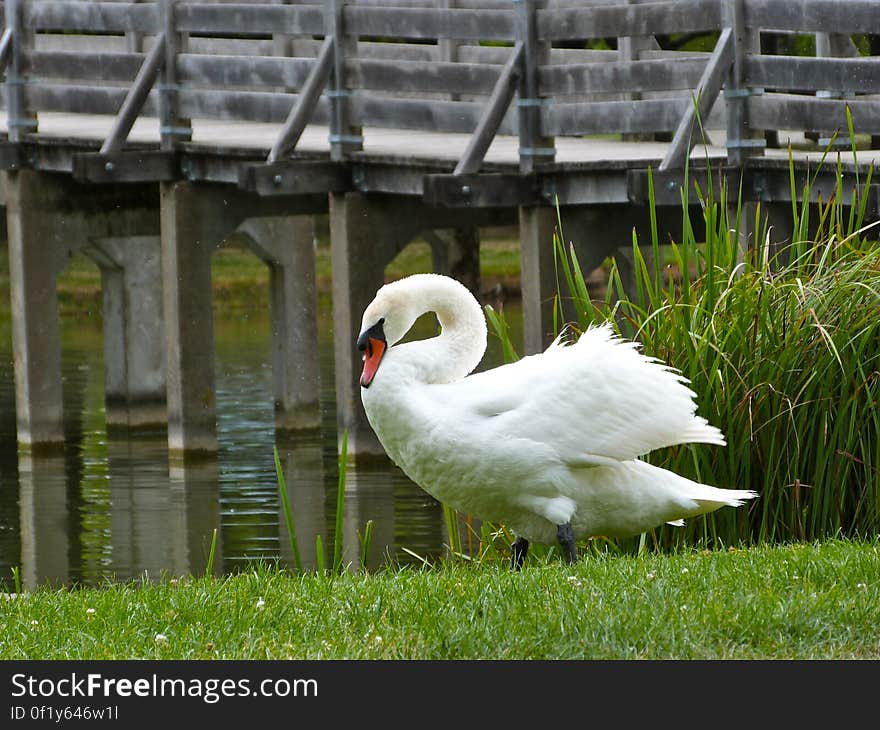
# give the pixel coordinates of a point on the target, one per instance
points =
(803, 601)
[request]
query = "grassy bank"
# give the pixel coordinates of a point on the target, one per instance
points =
(804, 601)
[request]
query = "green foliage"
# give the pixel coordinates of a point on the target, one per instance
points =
(782, 347)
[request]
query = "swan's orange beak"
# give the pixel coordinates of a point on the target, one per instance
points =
(372, 357)
(372, 343)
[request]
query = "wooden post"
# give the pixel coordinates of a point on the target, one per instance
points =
(20, 121)
(741, 140)
(534, 149)
(344, 136)
(173, 128)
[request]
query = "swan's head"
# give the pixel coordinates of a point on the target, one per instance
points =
(385, 322)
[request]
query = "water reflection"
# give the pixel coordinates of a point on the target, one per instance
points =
(114, 508)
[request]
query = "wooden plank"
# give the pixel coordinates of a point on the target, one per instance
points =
(429, 23)
(592, 78)
(97, 17)
(251, 106)
(484, 190)
(667, 184)
(250, 18)
(802, 73)
(640, 115)
(704, 99)
(81, 99)
(814, 16)
(682, 16)
(127, 167)
(788, 111)
(295, 177)
(435, 116)
(422, 77)
(110, 67)
(225, 71)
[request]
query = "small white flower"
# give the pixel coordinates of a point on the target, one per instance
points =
(573, 579)
(377, 639)
(861, 585)
(795, 576)
(35, 623)
(684, 570)
(90, 610)
(684, 607)
(651, 576)
(161, 639)
(260, 603)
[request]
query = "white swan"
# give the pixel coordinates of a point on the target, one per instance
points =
(547, 445)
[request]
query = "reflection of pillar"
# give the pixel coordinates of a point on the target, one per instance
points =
(302, 461)
(45, 543)
(194, 514)
(134, 338)
(287, 246)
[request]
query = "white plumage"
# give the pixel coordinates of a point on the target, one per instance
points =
(549, 440)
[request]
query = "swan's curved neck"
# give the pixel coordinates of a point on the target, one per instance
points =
(459, 347)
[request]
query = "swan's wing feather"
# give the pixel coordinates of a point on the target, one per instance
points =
(598, 399)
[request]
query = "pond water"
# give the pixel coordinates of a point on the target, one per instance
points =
(112, 507)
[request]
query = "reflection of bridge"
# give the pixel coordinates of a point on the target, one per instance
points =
(148, 133)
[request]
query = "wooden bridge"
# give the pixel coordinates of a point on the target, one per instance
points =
(148, 133)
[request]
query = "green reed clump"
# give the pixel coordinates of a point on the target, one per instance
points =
(782, 347)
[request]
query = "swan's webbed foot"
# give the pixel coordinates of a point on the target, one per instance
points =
(565, 536)
(520, 549)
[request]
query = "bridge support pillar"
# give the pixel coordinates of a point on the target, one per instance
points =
(536, 227)
(456, 253)
(187, 243)
(37, 251)
(134, 337)
(286, 245)
(366, 233)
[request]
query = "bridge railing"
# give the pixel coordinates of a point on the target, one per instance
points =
(479, 67)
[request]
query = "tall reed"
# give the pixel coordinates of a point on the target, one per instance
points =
(781, 347)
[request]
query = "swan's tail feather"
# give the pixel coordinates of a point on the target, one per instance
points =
(726, 497)
(700, 431)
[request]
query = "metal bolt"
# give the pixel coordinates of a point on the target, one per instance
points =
(278, 180)
(465, 189)
(671, 185)
(108, 166)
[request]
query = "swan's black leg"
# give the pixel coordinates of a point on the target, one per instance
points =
(565, 536)
(520, 549)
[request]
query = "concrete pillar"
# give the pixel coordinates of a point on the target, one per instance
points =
(366, 232)
(456, 253)
(37, 252)
(134, 335)
(536, 227)
(287, 246)
(187, 243)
